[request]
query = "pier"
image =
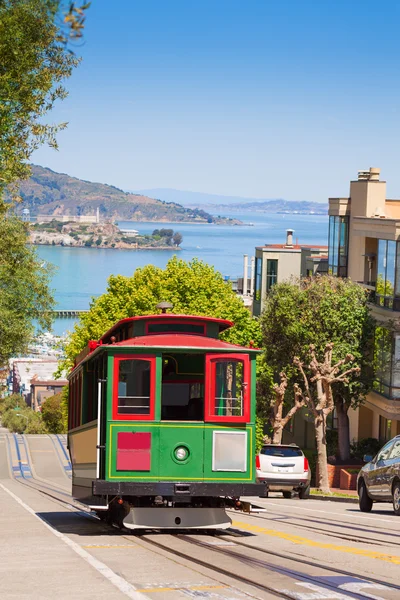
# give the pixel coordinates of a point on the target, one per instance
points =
(67, 313)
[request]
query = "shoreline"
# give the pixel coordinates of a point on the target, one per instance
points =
(94, 247)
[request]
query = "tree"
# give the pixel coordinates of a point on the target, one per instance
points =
(24, 289)
(318, 396)
(278, 422)
(177, 238)
(313, 311)
(52, 414)
(34, 61)
(193, 288)
(21, 419)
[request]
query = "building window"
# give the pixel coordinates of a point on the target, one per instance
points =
(258, 269)
(385, 429)
(386, 270)
(387, 363)
(272, 273)
(338, 246)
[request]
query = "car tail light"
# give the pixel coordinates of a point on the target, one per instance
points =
(258, 466)
(305, 464)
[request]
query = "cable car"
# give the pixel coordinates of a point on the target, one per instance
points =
(162, 423)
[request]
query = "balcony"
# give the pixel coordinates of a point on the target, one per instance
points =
(387, 302)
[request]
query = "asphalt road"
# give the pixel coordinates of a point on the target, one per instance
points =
(300, 549)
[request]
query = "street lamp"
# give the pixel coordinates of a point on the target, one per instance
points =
(23, 416)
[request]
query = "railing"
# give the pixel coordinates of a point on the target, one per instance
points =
(382, 300)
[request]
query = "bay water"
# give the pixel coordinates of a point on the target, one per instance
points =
(82, 273)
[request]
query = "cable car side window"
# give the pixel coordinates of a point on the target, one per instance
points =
(228, 380)
(134, 387)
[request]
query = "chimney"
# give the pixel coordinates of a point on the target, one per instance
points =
(289, 238)
(371, 175)
(245, 273)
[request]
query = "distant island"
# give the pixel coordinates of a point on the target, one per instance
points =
(102, 235)
(56, 194)
(277, 207)
(216, 202)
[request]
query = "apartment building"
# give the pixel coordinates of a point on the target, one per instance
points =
(275, 263)
(364, 245)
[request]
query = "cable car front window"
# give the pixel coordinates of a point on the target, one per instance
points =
(134, 387)
(228, 400)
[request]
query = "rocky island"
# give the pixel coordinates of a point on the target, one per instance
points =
(50, 194)
(101, 235)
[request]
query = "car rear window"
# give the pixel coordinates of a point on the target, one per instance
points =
(284, 451)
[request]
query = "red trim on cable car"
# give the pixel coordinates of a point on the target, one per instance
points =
(124, 417)
(211, 360)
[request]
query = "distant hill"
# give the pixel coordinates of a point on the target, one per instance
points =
(51, 193)
(217, 202)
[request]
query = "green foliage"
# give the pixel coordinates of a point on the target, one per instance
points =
(331, 442)
(64, 407)
(317, 311)
(24, 286)
(52, 414)
(23, 420)
(33, 64)
(10, 402)
(192, 287)
(177, 238)
(259, 434)
(365, 446)
(311, 456)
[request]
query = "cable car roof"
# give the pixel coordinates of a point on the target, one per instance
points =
(181, 341)
(223, 324)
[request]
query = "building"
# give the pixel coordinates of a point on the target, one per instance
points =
(364, 245)
(33, 378)
(90, 219)
(41, 389)
(280, 262)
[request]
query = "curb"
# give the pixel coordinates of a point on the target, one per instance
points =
(333, 499)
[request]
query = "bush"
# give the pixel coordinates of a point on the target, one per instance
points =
(365, 446)
(311, 456)
(331, 442)
(259, 434)
(13, 401)
(23, 421)
(52, 414)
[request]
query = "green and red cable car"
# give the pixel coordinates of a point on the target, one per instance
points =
(162, 423)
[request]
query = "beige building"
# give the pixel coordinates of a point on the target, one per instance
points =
(280, 262)
(69, 218)
(364, 245)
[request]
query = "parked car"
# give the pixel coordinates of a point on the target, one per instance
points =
(379, 479)
(284, 468)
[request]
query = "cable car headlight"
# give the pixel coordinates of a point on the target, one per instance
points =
(181, 453)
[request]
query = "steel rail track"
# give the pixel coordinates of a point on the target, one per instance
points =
(289, 572)
(310, 563)
(292, 520)
(71, 504)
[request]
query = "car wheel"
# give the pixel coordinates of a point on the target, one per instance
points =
(396, 498)
(287, 494)
(304, 493)
(364, 501)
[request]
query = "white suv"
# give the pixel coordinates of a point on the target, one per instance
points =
(284, 468)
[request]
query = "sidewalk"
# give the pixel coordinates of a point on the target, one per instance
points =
(337, 495)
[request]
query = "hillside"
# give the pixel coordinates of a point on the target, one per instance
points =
(50, 193)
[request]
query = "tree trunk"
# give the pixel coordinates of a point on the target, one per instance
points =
(343, 430)
(277, 435)
(322, 483)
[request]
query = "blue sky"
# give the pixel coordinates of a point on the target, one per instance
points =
(261, 99)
